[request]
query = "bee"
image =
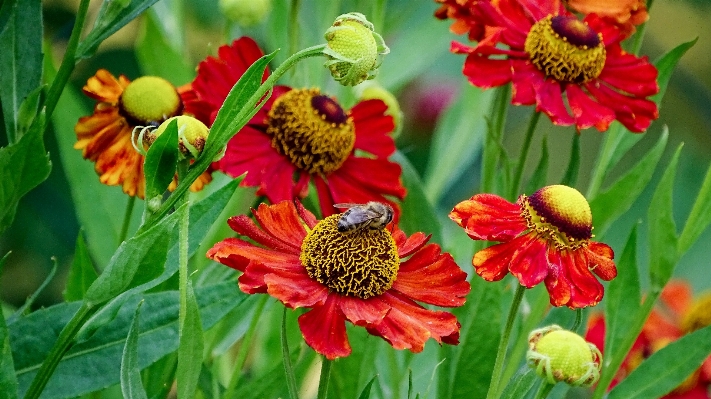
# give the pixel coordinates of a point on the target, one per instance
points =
(373, 215)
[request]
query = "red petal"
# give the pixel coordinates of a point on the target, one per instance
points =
(324, 329)
(432, 277)
(600, 260)
(278, 180)
(406, 246)
(677, 295)
(549, 100)
(282, 222)
(295, 290)
(249, 151)
(487, 73)
(306, 215)
(363, 311)
(557, 284)
(408, 325)
(629, 73)
(234, 252)
(529, 263)
(325, 198)
(587, 112)
(373, 128)
(636, 114)
(524, 75)
(492, 263)
(489, 217)
(585, 290)
(245, 226)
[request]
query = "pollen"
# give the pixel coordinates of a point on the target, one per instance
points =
(312, 130)
(559, 213)
(699, 314)
(566, 49)
(362, 264)
(149, 100)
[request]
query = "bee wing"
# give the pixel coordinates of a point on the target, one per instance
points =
(346, 205)
(361, 217)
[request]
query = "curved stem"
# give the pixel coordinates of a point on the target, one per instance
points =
(504, 343)
(244, 349)
(126, 219)
(544, 390)
(524, 154)
(324, 379)
(286, 355)
(578, 320)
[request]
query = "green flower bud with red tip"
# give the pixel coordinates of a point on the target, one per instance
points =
(560, 355)
(353, 48)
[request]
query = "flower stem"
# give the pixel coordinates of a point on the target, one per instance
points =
(578, 320)
(504, 343)
(244, 349)
(544, 390)
(324, 379)
(126, 219)
(524, 154)
(492, 147)
(286, 355)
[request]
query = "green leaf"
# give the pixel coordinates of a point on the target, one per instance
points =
(699, 218)
(29, 109)
(667, 368)
(665, 66)
(571, 173)
(28, 303)
(8, 381)
(365, 393)
(95, 363)
(622, 303)
(145, 252)
(190, 348)
(522, 383)
(540, 174)
(81, 272)
(609, 205)
(113, 15)
(23, 166)
(662, 230)
(157, 57)
(161, 161)
(417, 212)
(457, 141)
(474, 362)
(131, 385)
(20, 61)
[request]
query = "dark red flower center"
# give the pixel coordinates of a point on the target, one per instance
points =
(311, 130)
(559, 213)
(362, 263)
(566, 49)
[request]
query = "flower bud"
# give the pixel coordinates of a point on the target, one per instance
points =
(192, 135)
(373, 91)
(352, 49)
(561, 355)
(246, 13)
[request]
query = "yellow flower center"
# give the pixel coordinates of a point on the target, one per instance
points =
(699, 315)
(362, 263)
(312, 130)
(559, 213)
(149, 100)
(566, 49)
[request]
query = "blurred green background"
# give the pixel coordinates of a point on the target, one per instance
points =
(423, 75)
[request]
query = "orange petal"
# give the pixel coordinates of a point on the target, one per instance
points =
(489, 217)
(324, 329)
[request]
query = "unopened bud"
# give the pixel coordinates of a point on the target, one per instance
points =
(561, 355)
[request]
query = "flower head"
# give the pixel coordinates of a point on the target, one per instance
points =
(369, 277)
(105, 136)
(544, 238)
(677, 313)
(353, 48)
(301, 136)
(575, 71)
(563, 356)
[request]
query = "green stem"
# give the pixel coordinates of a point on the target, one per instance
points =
(325, 378)
(64, 341)
(68, 62)
(524, 154)
(544, 390)
(244, 349)
(126, 219)
(294, 26)
(214, 145)
(578, 320)
(492, 149)
(607, 149)
(286, 355)
(504, 343)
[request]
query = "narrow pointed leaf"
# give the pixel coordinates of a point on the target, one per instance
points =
(131, 386)
(699, 218)
(540, 174)
(522, 383)
(81, 272)
(365, 393)
(161, 161)
(31, 299)
(669, 367)
(8, 381)
(189, 349)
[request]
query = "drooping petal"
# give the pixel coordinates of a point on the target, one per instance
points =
(492, 263)
(486, 73)
(489, 217)
(636, 114)
(406, 246)
(373, 128)
(524, 79)
(408, 325)
(362, 312)
(103, 86)
(432, 277)
(587, 291)
(324, 329)
(549, 100)
(282, 222)
(630, 74)
(600, 260)
(529, 264)
(294, 289)
(235, 253)
(245, 226)
(588, 113)
(558, 286)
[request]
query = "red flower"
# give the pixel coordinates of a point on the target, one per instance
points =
(301, 136)
(544, 238)
(560, 63)
(675, 315)
(371, 278)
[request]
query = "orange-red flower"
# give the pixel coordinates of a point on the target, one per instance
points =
(624, 13)
(676, 314)
(302, 136)
(370, 278)
(574, 71)
(105, 136)
(544, 238)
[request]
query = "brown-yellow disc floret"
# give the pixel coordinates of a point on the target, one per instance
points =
(362, 263)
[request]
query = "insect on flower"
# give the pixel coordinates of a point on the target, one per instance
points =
(373, 215)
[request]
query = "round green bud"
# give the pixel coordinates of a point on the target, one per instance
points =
(246, 13)
(192, 135)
